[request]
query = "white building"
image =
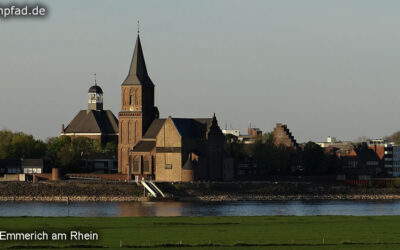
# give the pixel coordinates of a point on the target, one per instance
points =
(234, 132)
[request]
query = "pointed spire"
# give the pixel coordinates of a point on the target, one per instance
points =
(138, 72)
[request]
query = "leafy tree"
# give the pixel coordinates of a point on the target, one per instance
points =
(54, 146)
(83, 146)
(235, 148)
(111, 148)
(314, 159)
(6, 137)
(19, 145)
(395, 137)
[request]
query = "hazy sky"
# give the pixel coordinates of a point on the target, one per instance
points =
(326, 68)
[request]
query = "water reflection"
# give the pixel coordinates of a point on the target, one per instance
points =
(134, 209)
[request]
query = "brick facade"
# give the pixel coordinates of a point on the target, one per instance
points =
(282, 136)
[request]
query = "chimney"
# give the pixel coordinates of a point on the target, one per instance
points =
(62, 129)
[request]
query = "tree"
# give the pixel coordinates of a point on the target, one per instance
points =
(6, 137)
(54, 146)
(271, 159)
(83, 146)
(235, 148)
(395, 137)
(19, 145)
(314, 159)
(111, 148)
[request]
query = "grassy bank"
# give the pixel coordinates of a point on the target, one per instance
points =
(271, 232)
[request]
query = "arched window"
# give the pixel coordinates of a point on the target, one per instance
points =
(132, 97)
(136, 162)
(146, 164)
(136, 99)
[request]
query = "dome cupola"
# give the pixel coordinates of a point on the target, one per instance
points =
(95, 94)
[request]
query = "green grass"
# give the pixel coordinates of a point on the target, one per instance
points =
(266, 232)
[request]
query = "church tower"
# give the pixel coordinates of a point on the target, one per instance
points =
(137, 107)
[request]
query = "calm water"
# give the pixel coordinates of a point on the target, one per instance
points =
(113, 209)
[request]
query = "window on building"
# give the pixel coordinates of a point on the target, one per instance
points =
(136, 164)
(168, 166)
(146, 165)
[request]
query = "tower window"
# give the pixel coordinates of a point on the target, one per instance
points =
(131, 100)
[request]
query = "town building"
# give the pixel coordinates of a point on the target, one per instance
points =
(94, 122)
(19, 169)
(361, 163)
(234, 132)
(391, 159)
(32, 166)
(332, 146)
(100, 163)
(170, 149)
(252, 134)
(283, 136)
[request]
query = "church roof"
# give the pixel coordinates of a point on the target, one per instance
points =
(152, 131)
(193, 128)
(187, 127)
(93, 121)
(138, 72)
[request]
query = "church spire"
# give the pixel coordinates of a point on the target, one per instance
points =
(138, 72)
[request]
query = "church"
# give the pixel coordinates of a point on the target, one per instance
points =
(94, 122)
(168, 149)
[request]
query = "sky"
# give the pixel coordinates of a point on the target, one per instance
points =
(325, 68)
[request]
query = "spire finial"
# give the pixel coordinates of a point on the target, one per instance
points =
(95, 80)
(138, 26)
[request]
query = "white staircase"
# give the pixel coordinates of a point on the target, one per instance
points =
(152, 189)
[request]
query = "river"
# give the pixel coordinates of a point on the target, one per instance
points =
(133, 209)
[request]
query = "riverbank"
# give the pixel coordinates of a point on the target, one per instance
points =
(259, 232)
(76, 191)
(208, 198)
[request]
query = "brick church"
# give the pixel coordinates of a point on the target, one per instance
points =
(169, 149)
(94, 122)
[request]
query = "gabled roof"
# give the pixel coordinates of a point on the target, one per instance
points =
(154, 128)
(138, 72)
(25, 163)
(366, 154)
(193, 128)
(187, 127)
(93, 121)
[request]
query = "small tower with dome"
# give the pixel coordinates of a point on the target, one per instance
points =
(93, 122)
(95, 97)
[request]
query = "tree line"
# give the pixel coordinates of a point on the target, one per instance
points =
(271, 159)
(58, 152)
